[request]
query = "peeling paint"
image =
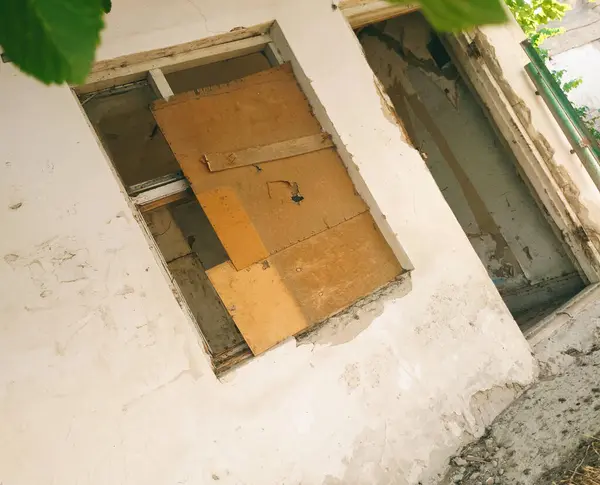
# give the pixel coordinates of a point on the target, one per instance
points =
(504, 227)
(388, 109)
(351, 322)
(544, 147)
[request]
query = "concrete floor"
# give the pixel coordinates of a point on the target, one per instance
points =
(545, 427)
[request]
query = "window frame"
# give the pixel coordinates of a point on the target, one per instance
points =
(151, 67)
(155, 193)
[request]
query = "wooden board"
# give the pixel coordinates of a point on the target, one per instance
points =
(306, 283)
(259, 302)
(259, 109)
(266, 153)
(133, 67)
(287, 200)
(168, 199)
(233, 226)
(269, 194)
(335, 268)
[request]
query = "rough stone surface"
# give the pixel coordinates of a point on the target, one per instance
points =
(540, 430)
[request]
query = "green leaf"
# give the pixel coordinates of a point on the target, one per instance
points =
(456, 15)
(106, 5)
(53, 40)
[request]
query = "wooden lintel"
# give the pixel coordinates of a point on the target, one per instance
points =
(107, 74)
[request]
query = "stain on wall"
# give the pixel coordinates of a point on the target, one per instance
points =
(475, 172)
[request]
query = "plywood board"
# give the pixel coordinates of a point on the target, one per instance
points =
(266, 153)
(335, 268)
(287, 200)
(259, 109)
(259, 302)
(233, 226)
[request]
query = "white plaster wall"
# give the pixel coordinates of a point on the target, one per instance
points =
(102, 376)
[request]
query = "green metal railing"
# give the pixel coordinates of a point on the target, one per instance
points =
(581, 140)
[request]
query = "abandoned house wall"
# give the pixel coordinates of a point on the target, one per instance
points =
(471, 165)
(103, 378)
(503, 44)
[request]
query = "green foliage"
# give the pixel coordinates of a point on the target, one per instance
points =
(589, 120)
(53, 40)
(457, 15)
(532, 16)
(566, 86)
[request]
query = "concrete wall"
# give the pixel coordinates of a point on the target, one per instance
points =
(102, 375)
(470, 163)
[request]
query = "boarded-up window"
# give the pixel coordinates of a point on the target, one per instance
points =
(301, 242)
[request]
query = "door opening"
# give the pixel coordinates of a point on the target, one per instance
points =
(473, 167)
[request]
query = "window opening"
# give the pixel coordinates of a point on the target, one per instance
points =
(246, 197)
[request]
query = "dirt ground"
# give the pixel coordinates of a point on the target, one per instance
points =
(582, 467)
(543, 437)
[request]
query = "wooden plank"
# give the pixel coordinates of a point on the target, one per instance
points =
(151, 184)
(155, 194)
(233, 226)
(136, 69)
(160, 202)
(335, 268)
(236, 34)
(266, 153)
(159, 83)
(287, 200)
(259, 302)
